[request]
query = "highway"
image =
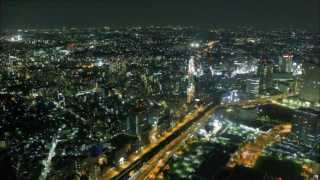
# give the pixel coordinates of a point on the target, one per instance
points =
(154, 166)
(156, 163)
(116, 172)
(193, 122)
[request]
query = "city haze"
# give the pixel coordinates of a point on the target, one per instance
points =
(261, 14)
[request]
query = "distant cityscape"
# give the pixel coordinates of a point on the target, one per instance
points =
(159, 102)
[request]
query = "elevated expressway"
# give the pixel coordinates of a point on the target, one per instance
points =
(147, 163)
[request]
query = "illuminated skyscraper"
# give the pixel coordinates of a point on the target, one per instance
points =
(286, 63)
(298, 72)
(191, 73)
(265, 71)
(252, 87)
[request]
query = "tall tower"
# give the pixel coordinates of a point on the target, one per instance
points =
(191, 87)
(265, 71)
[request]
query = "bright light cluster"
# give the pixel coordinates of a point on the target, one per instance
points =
(191, 67)
(99, 62)
(231, 97)
(199, 71)
(195, 45)
(15, 38)
(215, 72)
(297, 69)
(244, 68)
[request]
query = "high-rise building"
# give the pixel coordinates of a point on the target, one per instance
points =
(265, 71)
(191, 86)
(252, 87)
(286, 63)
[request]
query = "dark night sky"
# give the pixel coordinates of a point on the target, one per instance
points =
(258, 13)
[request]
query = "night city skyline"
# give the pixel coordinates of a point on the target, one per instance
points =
(159, 90)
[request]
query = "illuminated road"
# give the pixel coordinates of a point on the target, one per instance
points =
(154, 165)
(133, 158)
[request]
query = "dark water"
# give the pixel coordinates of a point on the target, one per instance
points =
(279, 168)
